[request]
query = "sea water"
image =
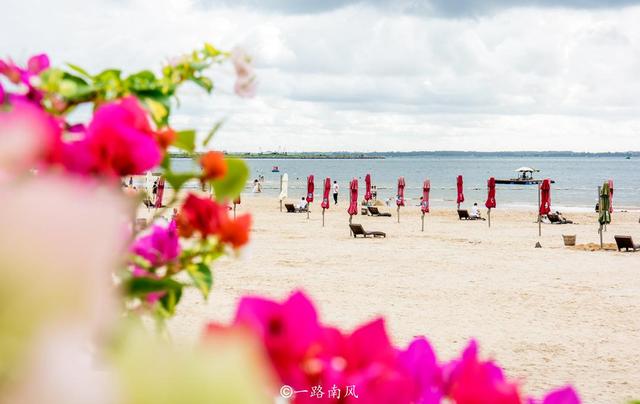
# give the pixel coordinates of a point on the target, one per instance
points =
(576, 178)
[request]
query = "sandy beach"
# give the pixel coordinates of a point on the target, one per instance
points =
(550, 316)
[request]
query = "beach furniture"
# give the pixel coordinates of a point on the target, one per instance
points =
(463, 214)
(627, 243)
(373, 211)
(290, 208)
(557, 218)
(358, 230)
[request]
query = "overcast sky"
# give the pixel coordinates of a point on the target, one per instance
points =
(377, 75)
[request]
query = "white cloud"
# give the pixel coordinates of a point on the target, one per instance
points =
(364, 78)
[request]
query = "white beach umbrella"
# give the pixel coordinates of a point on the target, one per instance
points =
(284, 188)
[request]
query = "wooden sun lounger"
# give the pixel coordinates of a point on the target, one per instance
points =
(290, 208)
(627, 243)
(358, 230)
(556, 219)
(373, 211)
(463, 214)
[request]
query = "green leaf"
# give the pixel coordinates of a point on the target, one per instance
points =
(143, 286)
(186, 140)
(233, 183)
(211, 50)
(204, 82)
(177, 180)
(170, 300)
(143, 81)
(212, 132)
(159, 111)
(202, 278)
(79, 70)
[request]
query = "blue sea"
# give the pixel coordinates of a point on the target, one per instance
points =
(576, 178)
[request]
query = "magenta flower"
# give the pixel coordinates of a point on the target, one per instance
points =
(473, 382)
(36, 65)
(119, 142)
(1, 95)
(419, 360)
(564, 395)
(288, 331)
(160, 246)
(29, 136)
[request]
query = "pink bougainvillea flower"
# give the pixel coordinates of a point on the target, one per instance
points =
(36, 65)
(473, 382)
(10, 71)
(29, 136)
(1, 95)
(419, 360)
(119, 141)
(160, 246)
(246, 82)
(564, 395)
(288, 330)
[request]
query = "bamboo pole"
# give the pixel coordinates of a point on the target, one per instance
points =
(599, 214)
(539, 216)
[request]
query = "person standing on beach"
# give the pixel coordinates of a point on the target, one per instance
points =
(336, 188)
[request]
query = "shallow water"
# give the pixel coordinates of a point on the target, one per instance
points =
(577, 178)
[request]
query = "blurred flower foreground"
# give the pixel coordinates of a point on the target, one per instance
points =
(80, 272)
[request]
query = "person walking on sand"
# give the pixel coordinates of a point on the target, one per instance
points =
(336, 188)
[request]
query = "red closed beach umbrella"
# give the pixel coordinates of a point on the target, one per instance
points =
(544, 197)
(424, 205)
(460, 197)
(310, 189)
(325, 196)
(367, 191)
(160, 193)
(400, 195)
(491, 197)
(353, 199)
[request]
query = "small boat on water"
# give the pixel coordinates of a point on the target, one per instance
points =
(525, 177)
(275, 169)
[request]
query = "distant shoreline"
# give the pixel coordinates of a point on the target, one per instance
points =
(342, 155)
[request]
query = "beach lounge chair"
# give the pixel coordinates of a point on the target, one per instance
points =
(626, 242)
(290, 208)
(376, 212)
(358, 230)
(463, 214)
(557, 218)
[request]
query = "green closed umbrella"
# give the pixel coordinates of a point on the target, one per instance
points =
(605, 202)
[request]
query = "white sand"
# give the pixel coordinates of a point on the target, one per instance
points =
(550, 316)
